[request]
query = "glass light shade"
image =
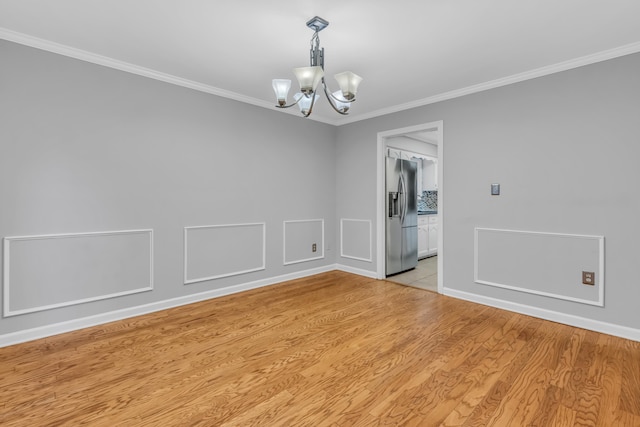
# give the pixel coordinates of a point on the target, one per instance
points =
(308, 77)
(348, 83)
(341, 103)
(306, 102)
(281, 88)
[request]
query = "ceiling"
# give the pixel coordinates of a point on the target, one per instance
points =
(409, 53)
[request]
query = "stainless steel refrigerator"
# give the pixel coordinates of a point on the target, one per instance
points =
(402, 215)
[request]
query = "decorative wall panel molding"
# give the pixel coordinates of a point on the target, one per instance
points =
(299, 238)
(355, 239)
(217, 251)
(57, 270)
(548, 264)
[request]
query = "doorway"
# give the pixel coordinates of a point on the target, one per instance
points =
(424, 276)
(435, 132)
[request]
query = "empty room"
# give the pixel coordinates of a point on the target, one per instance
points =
(319, 213)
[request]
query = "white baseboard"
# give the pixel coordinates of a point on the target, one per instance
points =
(98, 319)
(85, 322)
(358, 271)
(554, 316)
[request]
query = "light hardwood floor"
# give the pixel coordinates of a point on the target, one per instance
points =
(329, 350)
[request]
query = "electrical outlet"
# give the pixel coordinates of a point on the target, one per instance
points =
(588, 278)
(314, 247)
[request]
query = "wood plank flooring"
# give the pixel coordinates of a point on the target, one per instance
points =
(333, 349)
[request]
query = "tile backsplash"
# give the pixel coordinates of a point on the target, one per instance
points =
(428, 201)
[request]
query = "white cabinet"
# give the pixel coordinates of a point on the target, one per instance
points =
(430, 173)
(423, 236)
(400, 154)
(427, 236)
(432, 235)
(427, 167)
(394, 153)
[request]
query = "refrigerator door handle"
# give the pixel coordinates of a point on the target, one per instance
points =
(406, 200)
(403, 200)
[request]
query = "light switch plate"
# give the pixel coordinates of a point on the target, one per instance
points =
(495, 189)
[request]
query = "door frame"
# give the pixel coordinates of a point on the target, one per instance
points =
(437, 127)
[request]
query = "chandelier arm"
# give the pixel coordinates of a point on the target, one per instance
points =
(290, 105)
(330, 96)
(313, 101)
(337, 99)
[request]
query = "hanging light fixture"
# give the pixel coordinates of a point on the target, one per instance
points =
(310, 77)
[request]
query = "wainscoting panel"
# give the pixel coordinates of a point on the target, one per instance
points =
(50, 271)
(216, 251)
(548, 264)
(299, 238)
(355, 239)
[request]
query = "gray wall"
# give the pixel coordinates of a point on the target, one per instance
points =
(86, 148)
(565, 150)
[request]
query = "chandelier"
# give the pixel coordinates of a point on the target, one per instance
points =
(310, 77)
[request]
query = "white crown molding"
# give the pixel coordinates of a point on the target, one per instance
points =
(504, 81)
(83, 55)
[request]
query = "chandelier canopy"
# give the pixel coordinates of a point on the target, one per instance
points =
(310, 77)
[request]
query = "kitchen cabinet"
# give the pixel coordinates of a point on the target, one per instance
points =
(432, 235)
(427, 236)
(430, 173)
(427, 175)
(394, 153)
(423, 236)
(400, 154)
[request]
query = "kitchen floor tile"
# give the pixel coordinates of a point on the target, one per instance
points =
(424, 276)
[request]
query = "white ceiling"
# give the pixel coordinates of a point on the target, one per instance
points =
(409, 52)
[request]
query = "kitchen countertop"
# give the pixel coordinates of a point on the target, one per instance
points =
(427, 212)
